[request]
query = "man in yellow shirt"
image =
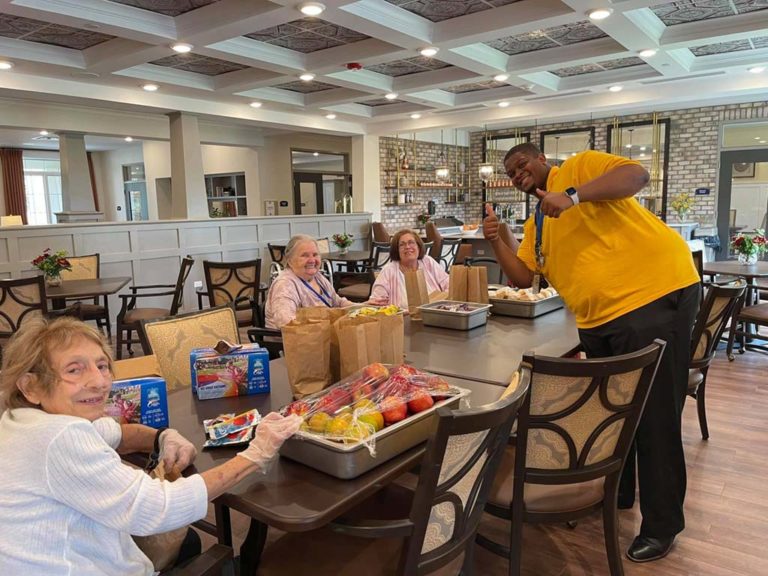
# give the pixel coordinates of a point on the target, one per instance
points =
(629, 279)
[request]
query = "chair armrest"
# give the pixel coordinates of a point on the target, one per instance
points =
(145, 295)
(73, 310)
(150, 286)
(373, 528)
(209, 563)
(254, 333)
(200, 295)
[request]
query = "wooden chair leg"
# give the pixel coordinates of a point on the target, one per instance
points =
(611, 526)
(119, 343)
(701, 408)
(516, 541)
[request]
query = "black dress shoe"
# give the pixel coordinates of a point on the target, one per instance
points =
(645, 548)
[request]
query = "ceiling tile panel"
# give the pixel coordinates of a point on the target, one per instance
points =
(38, 31)
(306, 42)
(307, 35)
(721, 48)
(167, 7)
(744, 6)
(577, 70)
(522, 43)
(547, 38)
(408, 66)
(198, 64)
(622, 63)
(761, 42)
(305, 87)
(380, 102)
(574, 33)
(685, 11)
(475, 87)
(439, 10)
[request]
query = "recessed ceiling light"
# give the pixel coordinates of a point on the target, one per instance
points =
(6, 65)
(43, 132)
(762, 141)
(307, 77)
(182, 47)
(642, 154)
(128, 139)
(311, 8)
(616, 88)
(757, 69)
(599, 13)
(390, 95)
(503, 104)
(647, 53)
(501, 77)
(757, 137)
(642, 148)
(255, 104)
(415, 116)
(331, 116)
(150, 87)
(429, 51)
(315, 154)
(628, 146)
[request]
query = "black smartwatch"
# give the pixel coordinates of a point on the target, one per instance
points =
(573, 195)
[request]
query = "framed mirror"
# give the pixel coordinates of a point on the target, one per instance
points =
(648, 143)
(559, 145)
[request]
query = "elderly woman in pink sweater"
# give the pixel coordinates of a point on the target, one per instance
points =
(407, 252)
(301, 284)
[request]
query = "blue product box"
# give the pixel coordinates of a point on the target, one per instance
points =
(238, 373)
(139, 401)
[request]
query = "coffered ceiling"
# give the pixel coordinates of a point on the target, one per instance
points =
(557, 60)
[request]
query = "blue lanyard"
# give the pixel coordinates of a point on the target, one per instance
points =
(539, 231)
(316, 293)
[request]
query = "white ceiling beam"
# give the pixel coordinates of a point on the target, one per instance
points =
(119, 53)
(350, 108)
(337, 96)
(366, 52)
(43, 53)
(257, 54)
(479, 58)
(444, 77)
(248, 78)
(229, 19)
(387, 22)
(168, 76)
(439, 98)
(362, 80)
(274, 95)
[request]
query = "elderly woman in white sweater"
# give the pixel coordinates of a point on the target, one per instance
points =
(68, 504)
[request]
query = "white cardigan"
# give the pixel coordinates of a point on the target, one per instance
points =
(68, 504)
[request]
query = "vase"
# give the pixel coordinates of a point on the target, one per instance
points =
(682, 216)
(344, 250)
(748, 259)
(53, 280)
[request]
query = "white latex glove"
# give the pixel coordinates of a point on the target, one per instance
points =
(271, 432)
(175, 450)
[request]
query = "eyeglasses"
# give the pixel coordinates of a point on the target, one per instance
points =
(407, 244)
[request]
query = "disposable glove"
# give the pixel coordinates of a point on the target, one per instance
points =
(175, 450)
(271, 432)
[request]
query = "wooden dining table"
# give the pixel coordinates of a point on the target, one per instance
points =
(88, 288)
(293, 497)
(352, 258)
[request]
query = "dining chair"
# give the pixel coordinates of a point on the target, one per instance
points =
(20, 300)
(574, 430)
(485, 260)
(129, 318)
(745, 325)
(449, 248)
(433, 235)
(238, 282)
(425, 530)
(379, 232)
(357, 286)
(86, 268)
(270, 339)
(172, 339)
(714, 314)
(213, 562)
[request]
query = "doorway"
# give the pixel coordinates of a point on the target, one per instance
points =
(321, 182)
(742, 199)
(135, 190)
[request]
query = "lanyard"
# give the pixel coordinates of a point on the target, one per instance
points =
(539, 230)
(322, 296)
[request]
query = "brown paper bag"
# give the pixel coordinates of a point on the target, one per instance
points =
(359, 343)
(391, 337)
(331, 314)
(416, 289)
(163, 549)
(477, 284)
(457, 283)
(307, 347)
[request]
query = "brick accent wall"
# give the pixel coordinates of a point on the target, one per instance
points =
(694, 160)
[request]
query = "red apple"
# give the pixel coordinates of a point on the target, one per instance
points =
(438, 387)
(361, 390)
(375, 371)
(393, 409)
(404, 370)
(396, 386)
(299, 407)
(420, 401)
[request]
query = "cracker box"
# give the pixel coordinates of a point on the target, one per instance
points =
(139, 401)
(242, 371)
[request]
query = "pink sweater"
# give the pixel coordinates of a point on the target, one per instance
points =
(390, 285)
(288, 293)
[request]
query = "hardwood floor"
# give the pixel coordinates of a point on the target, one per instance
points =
(726, 505)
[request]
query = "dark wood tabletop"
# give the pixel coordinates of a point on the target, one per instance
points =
(86, 288)
(735, 268)
(349, 256)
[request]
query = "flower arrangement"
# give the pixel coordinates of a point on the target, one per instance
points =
(343, 241)
(681, 204)
(51, 264)
(423, 218)
(749, 246)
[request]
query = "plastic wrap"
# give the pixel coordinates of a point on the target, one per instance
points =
(377, 396)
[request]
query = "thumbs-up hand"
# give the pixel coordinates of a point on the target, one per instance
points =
(553, 205)
(490, 224)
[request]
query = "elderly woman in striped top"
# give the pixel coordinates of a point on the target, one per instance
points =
(301, 284)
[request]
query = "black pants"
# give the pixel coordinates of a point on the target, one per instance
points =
(658, 445)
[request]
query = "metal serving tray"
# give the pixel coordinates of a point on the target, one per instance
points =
(525, 308)
(477, 316)
(347, 461)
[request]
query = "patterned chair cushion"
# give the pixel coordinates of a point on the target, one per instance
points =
(173, 339)
(83, 268)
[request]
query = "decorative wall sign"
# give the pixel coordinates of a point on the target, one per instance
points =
(701, 191)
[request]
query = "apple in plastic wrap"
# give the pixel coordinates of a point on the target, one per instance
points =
(419, 400)
(375, 371)
(299, 407)
(393, 409)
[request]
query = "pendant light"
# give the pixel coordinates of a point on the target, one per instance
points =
(485, 170)
(442, 172)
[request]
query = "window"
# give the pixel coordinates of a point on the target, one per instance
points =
(42, 185)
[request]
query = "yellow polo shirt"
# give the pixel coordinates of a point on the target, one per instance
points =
(606, 258)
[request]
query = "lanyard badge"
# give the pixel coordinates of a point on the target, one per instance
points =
(536, 284)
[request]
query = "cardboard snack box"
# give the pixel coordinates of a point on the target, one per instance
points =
(139, 401)
(240, 372)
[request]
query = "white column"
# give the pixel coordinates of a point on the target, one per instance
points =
(188, 199)
(366, 184)
(76, 189)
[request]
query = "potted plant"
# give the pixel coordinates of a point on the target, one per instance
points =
(749, 246)
(681, 205)
(51, 264)
(342, 241)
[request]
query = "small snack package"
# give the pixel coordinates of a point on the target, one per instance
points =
(228, 370)
(230, 429)
(139, 401)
